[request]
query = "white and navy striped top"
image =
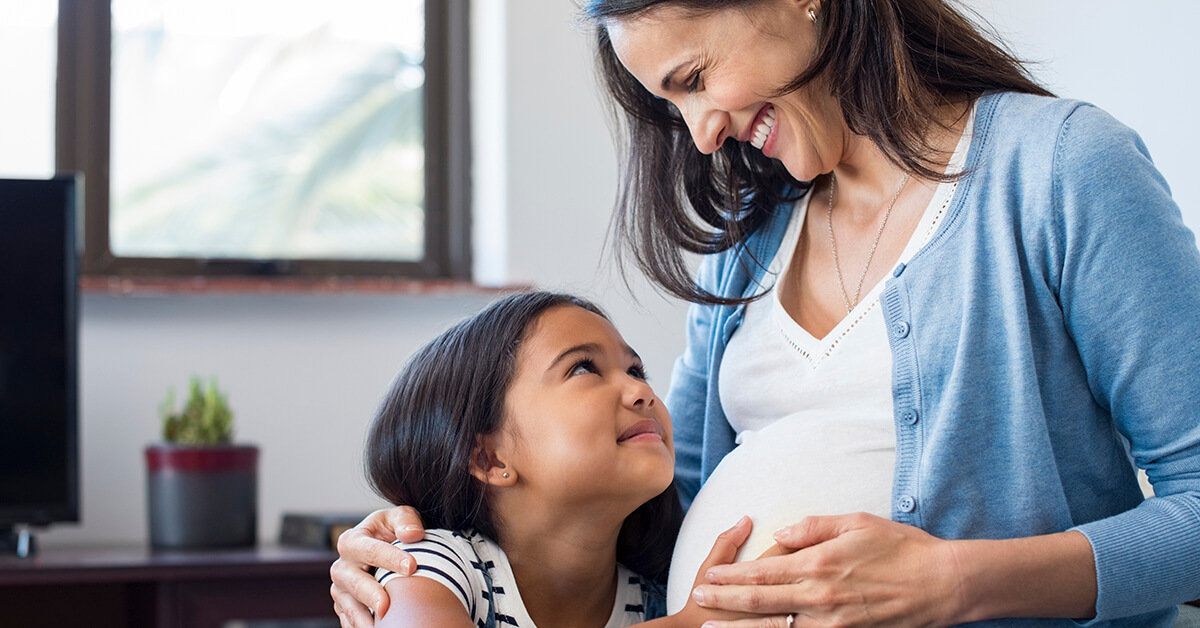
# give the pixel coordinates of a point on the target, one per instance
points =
(465, 562)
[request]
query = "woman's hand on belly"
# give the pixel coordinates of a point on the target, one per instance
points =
(851, 570)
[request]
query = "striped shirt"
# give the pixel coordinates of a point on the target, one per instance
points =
(476, 570)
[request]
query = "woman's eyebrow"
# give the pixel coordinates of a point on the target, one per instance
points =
(670, 76)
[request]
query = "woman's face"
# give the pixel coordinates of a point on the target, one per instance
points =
(581, 422)
(721, 70)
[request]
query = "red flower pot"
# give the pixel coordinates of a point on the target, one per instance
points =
(202, 496)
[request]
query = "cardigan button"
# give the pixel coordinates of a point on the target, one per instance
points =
(909, 417)
(906, 503)
(901, 329)
(899, 270)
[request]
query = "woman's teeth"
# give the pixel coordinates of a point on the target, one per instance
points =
(763, 129)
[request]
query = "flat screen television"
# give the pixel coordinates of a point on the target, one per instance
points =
(39, 455)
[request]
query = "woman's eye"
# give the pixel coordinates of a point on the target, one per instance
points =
(583, 367)
(637, 371)
(693, 82)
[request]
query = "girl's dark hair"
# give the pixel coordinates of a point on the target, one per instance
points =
(451, 392)
(891, 64)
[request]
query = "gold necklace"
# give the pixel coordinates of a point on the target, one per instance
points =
(833, 243)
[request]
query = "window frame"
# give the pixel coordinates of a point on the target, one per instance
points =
(82, 144)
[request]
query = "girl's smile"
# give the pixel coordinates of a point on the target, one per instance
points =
(578, 409)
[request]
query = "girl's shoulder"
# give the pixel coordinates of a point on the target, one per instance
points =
(457, 559)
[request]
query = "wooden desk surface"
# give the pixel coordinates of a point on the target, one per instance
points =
(131, 563)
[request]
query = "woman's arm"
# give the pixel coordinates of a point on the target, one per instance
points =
(860, 570)
(354, 591)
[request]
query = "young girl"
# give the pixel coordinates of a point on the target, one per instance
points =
(528, 437)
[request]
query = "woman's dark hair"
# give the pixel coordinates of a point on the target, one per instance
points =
(452, 391)
(891, 64)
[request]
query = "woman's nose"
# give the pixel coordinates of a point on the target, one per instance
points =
(709, 125)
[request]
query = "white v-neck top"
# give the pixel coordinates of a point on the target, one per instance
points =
(813, 416)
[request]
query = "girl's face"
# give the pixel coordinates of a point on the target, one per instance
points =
(582, 423)
(721, 69)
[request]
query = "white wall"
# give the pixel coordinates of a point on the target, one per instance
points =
(1140, 62)
(304, 372)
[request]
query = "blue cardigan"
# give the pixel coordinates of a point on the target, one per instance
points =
(1044, 341)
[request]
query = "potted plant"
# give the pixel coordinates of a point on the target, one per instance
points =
(202, 490)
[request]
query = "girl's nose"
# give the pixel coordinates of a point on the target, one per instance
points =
(709, 126)
(638, 394)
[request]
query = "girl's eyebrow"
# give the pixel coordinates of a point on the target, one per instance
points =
(588, 348)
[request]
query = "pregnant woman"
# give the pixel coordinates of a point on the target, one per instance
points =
(940, 308)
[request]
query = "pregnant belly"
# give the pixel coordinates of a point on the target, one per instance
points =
(791, 469)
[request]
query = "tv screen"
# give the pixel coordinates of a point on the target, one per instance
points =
(38, 321)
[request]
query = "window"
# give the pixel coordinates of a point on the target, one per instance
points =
(27, 36)
(267, 137)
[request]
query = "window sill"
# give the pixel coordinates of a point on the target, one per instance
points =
(117, 285)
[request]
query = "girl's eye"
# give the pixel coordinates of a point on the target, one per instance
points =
(637, 371)
(693, 82)
(583, 367)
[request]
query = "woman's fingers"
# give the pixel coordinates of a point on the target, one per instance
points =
(779, 569)
(402, 521)
(356, 590)
(774, 621)
(359, 551)
(350, 612)
(756, 599)
(813, 530)
(369, 544)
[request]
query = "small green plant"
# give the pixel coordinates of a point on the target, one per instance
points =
(204, 420)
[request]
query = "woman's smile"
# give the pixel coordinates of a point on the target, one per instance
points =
(763, 128)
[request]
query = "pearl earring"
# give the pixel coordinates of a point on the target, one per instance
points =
(812, 15)
(504, 475)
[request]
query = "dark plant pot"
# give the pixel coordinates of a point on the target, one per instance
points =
(202, 497)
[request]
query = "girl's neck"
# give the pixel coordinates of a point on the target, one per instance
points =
(565, 566)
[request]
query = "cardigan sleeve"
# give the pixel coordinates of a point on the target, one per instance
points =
(1129, 288)
(687, 397)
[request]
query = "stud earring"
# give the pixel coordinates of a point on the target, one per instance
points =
(812, 15)
(504, 475)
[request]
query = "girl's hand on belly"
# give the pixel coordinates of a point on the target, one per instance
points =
(852, 570)
(724, 551)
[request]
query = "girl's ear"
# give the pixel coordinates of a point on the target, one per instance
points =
(487, 465)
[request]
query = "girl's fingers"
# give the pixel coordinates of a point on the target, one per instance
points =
(726, 547)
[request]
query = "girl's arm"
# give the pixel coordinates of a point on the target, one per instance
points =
(421, 602)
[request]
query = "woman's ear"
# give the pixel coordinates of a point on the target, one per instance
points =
(487, 464)
(812, 8)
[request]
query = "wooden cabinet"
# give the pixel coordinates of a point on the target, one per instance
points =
(133, 587)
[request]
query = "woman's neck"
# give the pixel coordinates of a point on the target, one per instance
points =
(866, 179)
(565, 564)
